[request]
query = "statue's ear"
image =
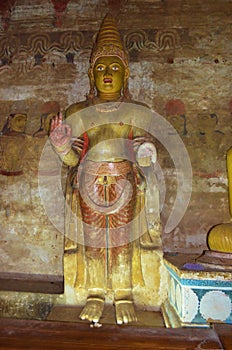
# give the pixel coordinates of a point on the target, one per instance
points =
(127, 73)
(126, 92)
(90, 74)
(91, 93)
(126, 77)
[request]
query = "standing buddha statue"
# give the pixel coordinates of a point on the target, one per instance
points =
(104, 145)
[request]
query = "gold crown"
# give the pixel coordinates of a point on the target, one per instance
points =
(108, 42)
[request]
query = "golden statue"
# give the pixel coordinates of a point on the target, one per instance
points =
(105, 152)
(220, 236)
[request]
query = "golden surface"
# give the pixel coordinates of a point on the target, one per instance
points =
(220, 238)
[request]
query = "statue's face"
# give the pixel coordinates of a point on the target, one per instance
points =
(18, 123)
(109, 74)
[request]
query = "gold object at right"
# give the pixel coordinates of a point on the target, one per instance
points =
(220, 236)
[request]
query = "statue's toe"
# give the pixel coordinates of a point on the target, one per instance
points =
(92, 310)
(125, 311)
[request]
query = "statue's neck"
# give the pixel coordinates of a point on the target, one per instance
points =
(114, 96)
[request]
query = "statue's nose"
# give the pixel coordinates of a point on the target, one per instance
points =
(108, 71)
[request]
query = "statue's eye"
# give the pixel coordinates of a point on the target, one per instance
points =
(115, 67)
(100, 68)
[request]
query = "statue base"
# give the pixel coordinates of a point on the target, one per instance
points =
(198, 294)
(69, 313)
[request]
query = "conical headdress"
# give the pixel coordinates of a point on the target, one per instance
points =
(108, 42)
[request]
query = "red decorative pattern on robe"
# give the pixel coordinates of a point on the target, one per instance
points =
(106, 227)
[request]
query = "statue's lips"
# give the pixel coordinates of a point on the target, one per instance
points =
(107, 80)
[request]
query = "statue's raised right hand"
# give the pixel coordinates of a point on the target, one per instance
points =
(60, 134)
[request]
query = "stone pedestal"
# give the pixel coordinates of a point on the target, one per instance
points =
(197, 295)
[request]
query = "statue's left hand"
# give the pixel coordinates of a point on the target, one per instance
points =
(145, 151)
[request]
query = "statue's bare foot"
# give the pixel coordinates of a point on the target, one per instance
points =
(125, 311)
(93, 309)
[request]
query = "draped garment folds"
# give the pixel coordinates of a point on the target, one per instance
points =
(105, 199)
